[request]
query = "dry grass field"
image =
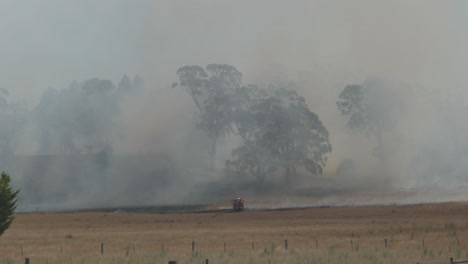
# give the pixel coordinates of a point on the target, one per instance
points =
(430, 233)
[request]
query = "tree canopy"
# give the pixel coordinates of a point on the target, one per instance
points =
(278, 130)
(13, 117)
(81, 118)
(211, 89)
(8, 200)
(371, 108)
(274, 123)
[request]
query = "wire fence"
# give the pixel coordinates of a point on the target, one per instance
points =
(382, 249)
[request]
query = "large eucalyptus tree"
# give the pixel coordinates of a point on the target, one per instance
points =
(278, 130)
(211, 90)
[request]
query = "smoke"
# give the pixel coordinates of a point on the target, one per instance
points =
(72, 147)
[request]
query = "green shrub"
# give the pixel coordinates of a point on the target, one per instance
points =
(8, 200)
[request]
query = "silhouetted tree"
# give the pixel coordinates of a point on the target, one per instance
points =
(211, 91)
(12, 117)
(127, 86)
(371, 108)
(277, 127)
(254, 157)
(77, 119)
(8, 200)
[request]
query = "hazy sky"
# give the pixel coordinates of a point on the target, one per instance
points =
(51, 42)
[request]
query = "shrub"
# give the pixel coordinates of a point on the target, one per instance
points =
(8, 200)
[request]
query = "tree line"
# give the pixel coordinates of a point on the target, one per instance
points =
(273, 122)
(276, 132)
(276, 128)
(77, 119)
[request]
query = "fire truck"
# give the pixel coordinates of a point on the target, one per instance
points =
(237, 204)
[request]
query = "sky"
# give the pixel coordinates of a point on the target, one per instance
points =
(52, 42)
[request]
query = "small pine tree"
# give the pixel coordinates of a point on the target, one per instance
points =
(8, 199)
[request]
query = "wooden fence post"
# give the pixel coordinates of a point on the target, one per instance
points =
(451, 260)
(286, 244)
(26, 261)
(193, 247)
(385, 243)
(102, 248)
(172, 262)
(207, 261)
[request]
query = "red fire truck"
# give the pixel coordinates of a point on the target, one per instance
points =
(237, 204)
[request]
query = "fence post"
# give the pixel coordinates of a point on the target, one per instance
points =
(286, 244)
(26, 261)
(385, 243)
(102, 248)
(172, 262)
(193, 247)
(253, 246)
(451, 261)
(206, 261)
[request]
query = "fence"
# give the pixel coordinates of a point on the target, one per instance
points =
(194, 251)
(207, 261)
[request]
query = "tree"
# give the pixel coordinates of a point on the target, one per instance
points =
(79, 119)
(371, 108)
(277, 127)
(12, 117)
(127, 86)
(211, 90)
(96, 117)
(253, 157)
(8, 200)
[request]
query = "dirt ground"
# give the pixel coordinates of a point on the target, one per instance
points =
(411, 233)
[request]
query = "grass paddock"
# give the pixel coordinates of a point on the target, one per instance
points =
(430, 233)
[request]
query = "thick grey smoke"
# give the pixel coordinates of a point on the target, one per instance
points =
(95, 142)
